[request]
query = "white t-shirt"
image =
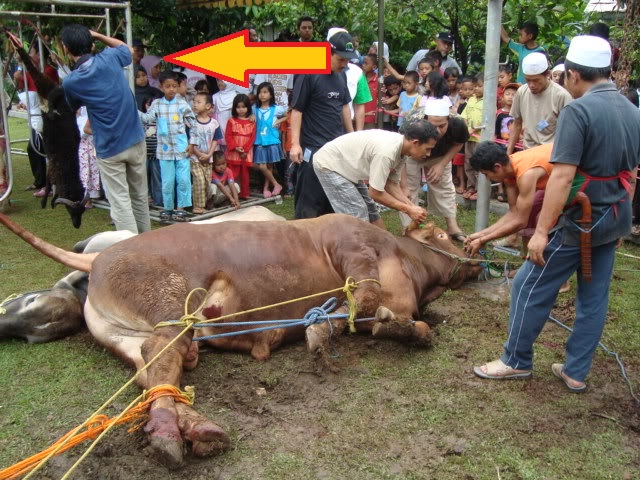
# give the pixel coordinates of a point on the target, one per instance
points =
(367, 154)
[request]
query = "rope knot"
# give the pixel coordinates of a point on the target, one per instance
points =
(320, 314)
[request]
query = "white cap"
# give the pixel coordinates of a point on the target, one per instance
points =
(558, 68)
(535, 63)
(333, 30)
(590, 51)
(436, 108)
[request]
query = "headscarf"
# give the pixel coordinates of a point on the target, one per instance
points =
(385, 52)
(144, 93)
(148, 62)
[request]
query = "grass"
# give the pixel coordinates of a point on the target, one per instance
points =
(392, 412)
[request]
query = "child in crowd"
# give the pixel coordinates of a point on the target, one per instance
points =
(288, 172)
(451, 76)
(503, 115)
(557, 74)
(425, 67)
(202, 86)
(223, 186)
(466, 91)
(472, 115)
(369, 64)
(410, 97)
(526, 44)
(267, 149)
(172, 115)
(88, 163)
(203, 137)
(222, 103)
(504, 78)
(390, 96)
(240, 135)
(435, 89)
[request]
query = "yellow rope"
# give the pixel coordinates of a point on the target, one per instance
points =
(348, 287)
(187, 321)
(8, 299)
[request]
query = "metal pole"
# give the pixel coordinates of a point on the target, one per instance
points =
(491, 60)
(129, 38)
(107, 16)
(5, 123)
(80, 3)
(379, 114)
(39, 25)
(8, 13)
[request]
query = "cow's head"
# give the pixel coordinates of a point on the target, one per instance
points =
(458, 265)
(41, 316)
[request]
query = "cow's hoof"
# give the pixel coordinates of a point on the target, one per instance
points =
(422, 334)
(212, 448)
(317, 338)
(167, 451)
(191, 359)
(383, 315)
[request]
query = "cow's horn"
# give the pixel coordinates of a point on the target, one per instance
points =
(65, 201)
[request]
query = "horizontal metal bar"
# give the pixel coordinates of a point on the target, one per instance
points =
(5, 13)
(80, 3)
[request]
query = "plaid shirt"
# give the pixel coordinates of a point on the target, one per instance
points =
(171, 118)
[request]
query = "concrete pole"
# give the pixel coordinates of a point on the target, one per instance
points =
(491, 60)
(129, 40)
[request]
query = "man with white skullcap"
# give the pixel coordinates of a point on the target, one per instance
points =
(441, 193)
(343, 165)
(596, 152)
(536, 104)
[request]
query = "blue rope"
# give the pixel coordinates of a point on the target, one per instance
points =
(584, 230)
(313, 316)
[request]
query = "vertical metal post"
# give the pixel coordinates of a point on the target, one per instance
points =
(129, 39)
(107, 19)
(379, 113)
(26, 85)
(5, 123)
(491, 60)
(40, 45)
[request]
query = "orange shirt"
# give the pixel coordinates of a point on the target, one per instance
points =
(530, 158)
(285, 129)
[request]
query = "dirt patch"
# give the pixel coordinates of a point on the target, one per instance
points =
(283, 410)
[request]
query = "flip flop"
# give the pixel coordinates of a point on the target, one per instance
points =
(557, 369)
(497, 370)
(458, 236)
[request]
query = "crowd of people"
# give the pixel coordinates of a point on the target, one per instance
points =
(184, 141)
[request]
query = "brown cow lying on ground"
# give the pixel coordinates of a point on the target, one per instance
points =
(145, 280)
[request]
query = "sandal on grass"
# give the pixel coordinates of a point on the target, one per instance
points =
(497, 370)
(572, 385)
(467, 193)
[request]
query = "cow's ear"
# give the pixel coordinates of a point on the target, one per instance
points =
(421, 234)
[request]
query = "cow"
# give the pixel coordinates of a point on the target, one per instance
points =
(144, 280)
(50, 314)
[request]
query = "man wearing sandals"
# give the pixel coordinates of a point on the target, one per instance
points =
(596, 151)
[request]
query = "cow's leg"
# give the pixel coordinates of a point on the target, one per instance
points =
(164, 434)
(400, 327)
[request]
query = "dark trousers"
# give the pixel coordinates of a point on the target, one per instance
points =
(309, 198)
(37, 160)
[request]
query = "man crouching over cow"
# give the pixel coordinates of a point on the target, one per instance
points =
(140, 282)
(343, 165)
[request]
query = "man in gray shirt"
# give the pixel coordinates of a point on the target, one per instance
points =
(444, 44)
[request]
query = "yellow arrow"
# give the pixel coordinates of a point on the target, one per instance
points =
(234, 57)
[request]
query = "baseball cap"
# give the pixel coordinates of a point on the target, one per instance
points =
(342, 43)
(514, 85)
(445, 37)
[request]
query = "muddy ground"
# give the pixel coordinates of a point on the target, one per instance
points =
(284, 410)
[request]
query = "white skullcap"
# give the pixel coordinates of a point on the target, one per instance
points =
(558, 68)
(535, 63)
(333, 30)
(385, 50)
(590, 51)
(436, 108)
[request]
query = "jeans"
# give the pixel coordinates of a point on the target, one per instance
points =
(533, 295)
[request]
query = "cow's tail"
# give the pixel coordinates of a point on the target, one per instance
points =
(77, 261)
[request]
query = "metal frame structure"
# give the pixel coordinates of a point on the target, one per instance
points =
(106, 17)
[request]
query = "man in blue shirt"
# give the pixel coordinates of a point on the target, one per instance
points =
(596, 151)
(97, 82)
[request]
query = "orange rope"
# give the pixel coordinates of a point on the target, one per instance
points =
(97, 425)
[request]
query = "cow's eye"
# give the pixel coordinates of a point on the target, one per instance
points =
(442, 236)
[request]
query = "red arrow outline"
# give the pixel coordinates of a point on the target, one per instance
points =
(172, 58)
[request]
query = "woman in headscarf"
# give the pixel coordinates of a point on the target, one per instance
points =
(151, 64)
(143, 91)
(373, 49)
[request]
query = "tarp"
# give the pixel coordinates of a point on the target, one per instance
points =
(219, 3)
